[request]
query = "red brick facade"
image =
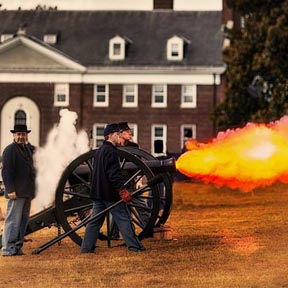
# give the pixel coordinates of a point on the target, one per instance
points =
(81, 101)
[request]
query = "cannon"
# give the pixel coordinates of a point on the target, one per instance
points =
(150, 205)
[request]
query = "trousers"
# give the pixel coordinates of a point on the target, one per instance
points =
(15, 225)
(123, 220)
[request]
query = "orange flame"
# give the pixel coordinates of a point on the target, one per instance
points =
(192, 144)
(244, 158)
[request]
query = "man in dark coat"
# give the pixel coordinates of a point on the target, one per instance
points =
(107, 188)
(19, 180)
(126, 139)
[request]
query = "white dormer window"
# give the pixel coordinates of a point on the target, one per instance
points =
(175, 48)
(50, 38)
(117, 47)
(5, 37)
(61, 95)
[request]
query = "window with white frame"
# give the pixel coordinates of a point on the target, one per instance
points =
(61, 95)
(175, 49)
(187, 131)
(101, 95)
(50, 38)
(98, 134)
(5, 37)
(130, 95)
(159, 132)
(159, 96)
(117, 48)
(188, 96)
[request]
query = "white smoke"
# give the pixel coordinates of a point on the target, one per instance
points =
(63, 145)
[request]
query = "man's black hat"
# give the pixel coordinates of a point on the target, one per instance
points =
(123, 126)
(111, 128)
(20, 128)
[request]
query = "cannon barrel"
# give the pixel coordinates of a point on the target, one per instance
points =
(157, 165)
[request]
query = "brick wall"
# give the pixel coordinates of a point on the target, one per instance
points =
(81, 101)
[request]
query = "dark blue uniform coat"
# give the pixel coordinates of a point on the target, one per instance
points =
(107, 177)
(17, 171)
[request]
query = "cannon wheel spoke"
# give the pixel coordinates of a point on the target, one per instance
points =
(73, 203)
(165, 188)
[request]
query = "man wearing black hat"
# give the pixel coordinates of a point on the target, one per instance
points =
(19, 180)
(126, 135)
(107, 188)
(126, 140)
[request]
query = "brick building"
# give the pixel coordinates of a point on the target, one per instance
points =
(160, 70)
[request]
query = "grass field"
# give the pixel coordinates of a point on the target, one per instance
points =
(221, 238)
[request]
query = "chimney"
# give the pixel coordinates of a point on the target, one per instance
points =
(163, 4)
(230, 14)
(22, 29)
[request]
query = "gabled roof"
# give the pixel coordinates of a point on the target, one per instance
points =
(85, 35)
(26, 53)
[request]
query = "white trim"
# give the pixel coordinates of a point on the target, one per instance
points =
(134, 93)
(41, 77)
(106, 95)
(191, 70)
(112, 78)
(155, 78)
(56, 56)
(163, 138)
(5, 36)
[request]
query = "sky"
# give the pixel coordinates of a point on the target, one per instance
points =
(110, 4)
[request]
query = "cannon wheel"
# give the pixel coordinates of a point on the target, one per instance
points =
(166, 199)
(72, 200)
